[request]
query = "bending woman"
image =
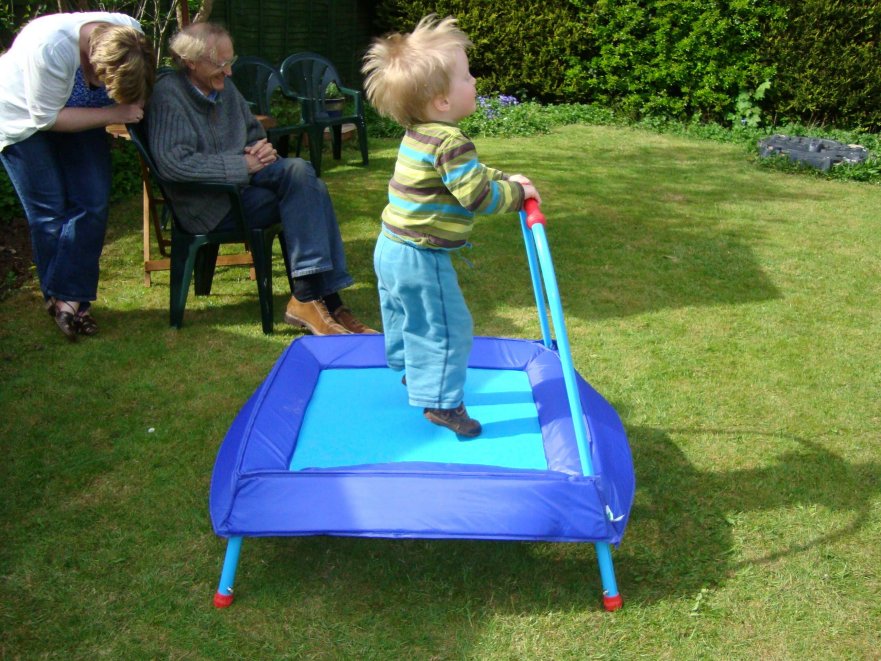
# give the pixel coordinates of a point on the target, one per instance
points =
(65, 78)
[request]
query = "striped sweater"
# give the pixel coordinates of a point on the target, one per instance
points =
(439, 186)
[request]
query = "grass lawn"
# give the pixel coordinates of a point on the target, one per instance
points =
(731, 314)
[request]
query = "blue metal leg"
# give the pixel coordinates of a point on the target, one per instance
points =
(611, 598)
(224, 595)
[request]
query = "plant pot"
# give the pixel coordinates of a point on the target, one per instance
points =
(334, 107)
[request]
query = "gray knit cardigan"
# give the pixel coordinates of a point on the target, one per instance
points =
(192, 138)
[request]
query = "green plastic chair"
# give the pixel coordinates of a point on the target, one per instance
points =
(258, 81)
(307, 75)
(194, 256)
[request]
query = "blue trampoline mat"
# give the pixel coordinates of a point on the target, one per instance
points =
(384, 428)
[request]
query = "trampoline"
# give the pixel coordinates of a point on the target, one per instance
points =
(380, 470)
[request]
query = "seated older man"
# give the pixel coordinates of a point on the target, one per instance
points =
(200, 128)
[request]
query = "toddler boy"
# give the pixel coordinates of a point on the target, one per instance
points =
(422, 81)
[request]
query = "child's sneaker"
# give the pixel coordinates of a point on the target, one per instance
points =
(456, 419)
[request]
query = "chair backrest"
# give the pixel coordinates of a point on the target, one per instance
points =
(257, 80)
(138, 137)
(307, 75)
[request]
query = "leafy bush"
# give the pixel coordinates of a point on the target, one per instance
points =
(658, 58)
(827, 62)
(762, 61)
(379, 126)
(673, 59)
(9, 205)
(580, 113)
(517, 50)
(126, 171)
(505, 116)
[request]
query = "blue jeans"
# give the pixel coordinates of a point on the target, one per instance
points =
(63, 182)
(289, 191)
(427, 325)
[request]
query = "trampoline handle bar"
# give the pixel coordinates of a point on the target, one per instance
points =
(533, 213)
(541, 267)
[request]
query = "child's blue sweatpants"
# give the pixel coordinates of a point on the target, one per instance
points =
(427, 325)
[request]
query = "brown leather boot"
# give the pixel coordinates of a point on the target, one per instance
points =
(313, 316)
(456, 419)
(345, 318)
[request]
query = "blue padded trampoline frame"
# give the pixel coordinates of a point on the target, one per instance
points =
(547, 297)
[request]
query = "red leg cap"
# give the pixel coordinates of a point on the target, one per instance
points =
(612, 603)
(222, 600)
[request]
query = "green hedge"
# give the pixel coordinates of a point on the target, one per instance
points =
(518, 50)
(677, 59)
(665, 59)
(827, 55)
(671, 58)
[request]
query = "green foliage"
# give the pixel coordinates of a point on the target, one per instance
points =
(379, 126)
(580, 113)
(126, 171)
(9, 205)
(677, 59)
(155, 18)
(504, 116)
(746, 108)
(13, 15)
(662, 58)
(517, 50)
(827, 62)
(672, 58)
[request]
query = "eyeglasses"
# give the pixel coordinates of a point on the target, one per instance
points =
(222, 65)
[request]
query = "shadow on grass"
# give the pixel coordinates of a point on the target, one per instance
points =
(680, 538)
(648, 231)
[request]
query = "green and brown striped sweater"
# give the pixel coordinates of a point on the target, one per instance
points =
(439, 186)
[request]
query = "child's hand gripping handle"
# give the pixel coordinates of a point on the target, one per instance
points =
(533, 213)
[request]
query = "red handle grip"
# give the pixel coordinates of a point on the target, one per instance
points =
(533, 213)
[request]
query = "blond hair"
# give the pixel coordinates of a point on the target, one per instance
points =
(195, 41)
(122, 58)
(405, 72)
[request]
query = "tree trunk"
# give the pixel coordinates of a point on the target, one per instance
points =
(202, 14)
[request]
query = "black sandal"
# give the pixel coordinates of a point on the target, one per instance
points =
(65, 319)
(49, 303)
(85, 322)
